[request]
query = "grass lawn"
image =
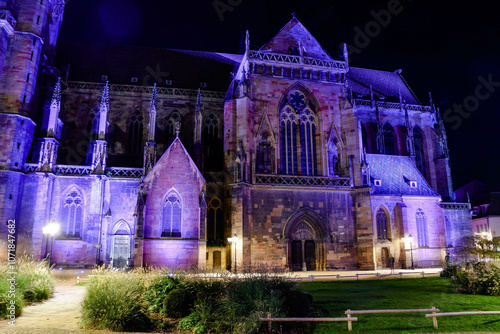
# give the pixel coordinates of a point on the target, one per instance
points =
(336, 297)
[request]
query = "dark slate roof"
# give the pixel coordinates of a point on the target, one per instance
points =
(396, 172)
(386, 84)
(120, 63)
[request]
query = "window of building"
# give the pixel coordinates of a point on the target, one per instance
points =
(419, 150)
(447, 231)
(174, 117)
(298, 119)
(172, 215)
(215, 220)
(212, 143)
(265, 154)
(422, 234)
(135, 133)
(389, 140)
(72, 215)
(382, 231)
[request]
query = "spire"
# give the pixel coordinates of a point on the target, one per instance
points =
(199, 102)
(371, 97)
(346, 57)
(55, 108)
(103, 113)
(247, 42)
(152, 115)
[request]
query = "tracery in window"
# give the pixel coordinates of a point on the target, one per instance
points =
(172, 216)
(422, 234)
(382, 226)
(419, 150)
(72, 214)
(215, 220)
(135, 130)
(389, 140)
(212, 143)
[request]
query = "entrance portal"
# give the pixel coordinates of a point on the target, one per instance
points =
(121, 251)
(303, 248)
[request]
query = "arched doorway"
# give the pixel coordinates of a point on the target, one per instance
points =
(303, 248)
(120, 245)
(305, 234)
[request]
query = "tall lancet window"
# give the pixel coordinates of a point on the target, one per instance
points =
(135, 129)
(215, 220)
(72, 214)
(447, 231)
(382, 231)
(298, 119)
(174, 117)
(265, 154)
(418, 139)
(389, 140)
(211, 143)
(172, 215)
(422, 234)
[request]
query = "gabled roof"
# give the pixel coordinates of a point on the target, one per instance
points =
(166, 160)
(387, 84)
(395, 173)
(287, 41)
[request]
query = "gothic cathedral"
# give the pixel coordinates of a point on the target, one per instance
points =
(301, 161)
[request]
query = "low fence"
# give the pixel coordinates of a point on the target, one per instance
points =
(422, 274)
(432, 313)
(453, 314)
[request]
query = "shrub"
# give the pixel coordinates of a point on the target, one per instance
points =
(190, 321)
(115, 301)
(33, 282)
(158, 291)
(178, 303)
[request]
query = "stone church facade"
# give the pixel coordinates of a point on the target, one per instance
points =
(311, 163)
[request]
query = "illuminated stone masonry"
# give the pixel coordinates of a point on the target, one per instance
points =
(305, 162)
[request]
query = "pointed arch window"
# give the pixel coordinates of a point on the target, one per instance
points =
(172, 216)
(389, 140)
(174, 117)
(422, 234)
(298, 119)
(447, 231)
(382, 226)
(215, 220)
(265, 154)
(135, 130)
(418, 139)
(72, 214)
(212, 143)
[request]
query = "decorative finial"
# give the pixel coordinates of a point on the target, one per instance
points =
(56, 96)
(154, 96)
(346, 57)
(105, 97)
(294, 15)
(177, 129)
(199, 101)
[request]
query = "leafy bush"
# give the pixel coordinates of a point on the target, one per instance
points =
(483, 280)
(156, 292)
(178, 303)
(115, 301)
(450, 269)
(190, 321)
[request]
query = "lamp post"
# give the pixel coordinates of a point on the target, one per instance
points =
(233, 240)
(50, 229)
(409, 241)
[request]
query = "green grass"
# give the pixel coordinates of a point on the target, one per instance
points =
(336, 297)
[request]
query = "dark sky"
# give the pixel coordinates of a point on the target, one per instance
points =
(450, 48)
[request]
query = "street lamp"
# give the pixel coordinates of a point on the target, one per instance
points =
(409, 241)
(50, 229)
(233, 240)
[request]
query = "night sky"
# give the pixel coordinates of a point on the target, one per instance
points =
(450, 48)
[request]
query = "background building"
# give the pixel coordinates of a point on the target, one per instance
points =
(310, 163)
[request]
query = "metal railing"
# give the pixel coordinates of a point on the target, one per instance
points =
(294, 180)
